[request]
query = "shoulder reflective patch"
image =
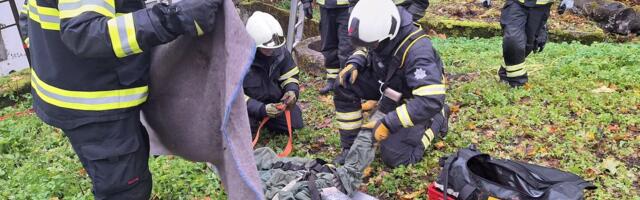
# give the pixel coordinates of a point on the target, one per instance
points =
(123, 35)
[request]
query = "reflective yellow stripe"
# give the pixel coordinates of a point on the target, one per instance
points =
(429, 90)
(25, 9)
(289, 80)
(349, 125)
(403, 116)
(406, 51)
(85, 100)
(123, 35)
(73, 8)
(516, 70)
(332, 71)
(360, 52)
(46, 17)
(26, 42)
(289, 74)
(427, 137)
(349, 116)
(246, 98)
(332, 75)
(199, 31)
(342, 2)
(405, 40)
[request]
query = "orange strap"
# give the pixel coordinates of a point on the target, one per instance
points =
(18, 114)
(289, 148)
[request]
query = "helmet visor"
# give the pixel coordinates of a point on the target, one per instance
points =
(275, 42)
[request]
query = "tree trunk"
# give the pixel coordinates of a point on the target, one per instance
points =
(612, 16)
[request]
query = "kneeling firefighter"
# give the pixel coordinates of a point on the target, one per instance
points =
(271, 85)
(524, 31)
(399, 67)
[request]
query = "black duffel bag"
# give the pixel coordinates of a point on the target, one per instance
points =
(470, 174)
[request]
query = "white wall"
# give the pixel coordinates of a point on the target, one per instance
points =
(16, 58)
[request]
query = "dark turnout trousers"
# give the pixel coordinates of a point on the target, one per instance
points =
(279, 124)
(520, 27)
(336, 45)
(115, 155)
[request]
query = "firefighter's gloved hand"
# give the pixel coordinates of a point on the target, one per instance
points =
(541, 40)
(564, 5)
(379, 130)
(348, 73)
(417, 12)
(274, 109)
(308, 10)
(195, 17)
(289, 99)
(486, 3)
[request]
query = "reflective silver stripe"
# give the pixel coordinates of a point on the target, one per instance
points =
(72, 8)
(89, 101)
(45, 16)
(122, 32)
(348, 116)
(332, 71)
(349, 125)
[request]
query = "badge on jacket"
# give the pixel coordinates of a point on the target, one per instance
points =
(420, 74)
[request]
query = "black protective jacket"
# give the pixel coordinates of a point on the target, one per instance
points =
(268, 79)
(417, 74)
(90, 58)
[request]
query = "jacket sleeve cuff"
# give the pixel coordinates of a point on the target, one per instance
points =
(293, 87)
(392, 122)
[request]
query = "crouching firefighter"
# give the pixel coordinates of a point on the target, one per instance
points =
(399, 67)
(90, 69)
(271, 85)
(524, 31)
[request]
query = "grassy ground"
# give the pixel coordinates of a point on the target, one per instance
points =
(581, 113)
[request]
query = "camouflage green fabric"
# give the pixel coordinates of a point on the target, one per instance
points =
(282, 184)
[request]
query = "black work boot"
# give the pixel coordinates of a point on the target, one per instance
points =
(328, 87)
(340, 159)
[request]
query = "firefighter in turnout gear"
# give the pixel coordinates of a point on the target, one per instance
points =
(335, 44)
(417, 8)
(23, 20)
(524, 31)
(399, 66)
(90, 63)
(272, 81)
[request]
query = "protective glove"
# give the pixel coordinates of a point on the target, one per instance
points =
(380, 131)
(417, 12)
(308, 10)
(564, 5)
(349, 72)
(274, 109)
(289, 99)
(369, 105)
(541, 40)
(194, 17)
(486, 3)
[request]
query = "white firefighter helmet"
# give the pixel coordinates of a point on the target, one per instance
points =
(265, 30)
(373, 21)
